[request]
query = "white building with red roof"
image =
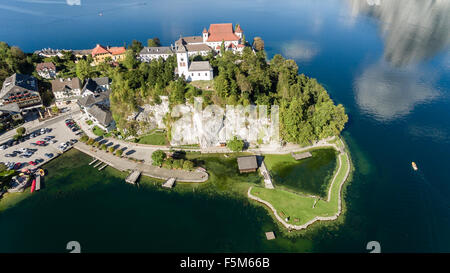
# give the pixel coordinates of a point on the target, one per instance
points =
(218, 33)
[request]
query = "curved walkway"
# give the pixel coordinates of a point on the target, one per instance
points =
(317, 218)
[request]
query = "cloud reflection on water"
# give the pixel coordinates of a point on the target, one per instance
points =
(300, 50)
(387, 93)
(414, 31)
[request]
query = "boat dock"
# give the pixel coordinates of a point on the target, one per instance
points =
(133, 177)
(38, 183)
(98, 164)
(265, 174)
(301, 156)
(102, 167)
(93, 161)
(169, 183)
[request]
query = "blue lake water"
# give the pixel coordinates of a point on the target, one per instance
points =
(387, 62)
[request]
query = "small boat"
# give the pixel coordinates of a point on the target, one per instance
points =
(414, 166)
(33, 185)
(41, 172)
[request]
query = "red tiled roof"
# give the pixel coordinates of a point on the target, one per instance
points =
(240, 45)
(99, 49)
(238, 29)
(117, 50)
(219, 32)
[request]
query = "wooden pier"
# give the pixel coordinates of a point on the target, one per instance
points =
(93, 161)
(38, 182)
(301, 156)
(98, 164)
(102, 167)
(169, 183)
(133, 177)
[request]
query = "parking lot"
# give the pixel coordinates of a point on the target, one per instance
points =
(56, 134)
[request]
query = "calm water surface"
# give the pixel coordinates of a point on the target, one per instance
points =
(387, 63)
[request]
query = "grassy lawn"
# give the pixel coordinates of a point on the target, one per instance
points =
(311, 175)
(203, 85)
(300, 207)
(154, 138)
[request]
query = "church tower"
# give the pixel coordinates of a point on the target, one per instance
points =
(238, 31)
(182, 59)
(205, 35)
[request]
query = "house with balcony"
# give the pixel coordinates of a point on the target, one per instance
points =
(66, 91)
(46, 70)
(21, 89)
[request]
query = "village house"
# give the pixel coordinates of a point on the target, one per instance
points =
(46, 70)
(95, 86)
(191, 71)
(94, 103)
(66, 91)
(21, 89)
(101, 54)
(9, 115)
(148, 54)
(49, 52)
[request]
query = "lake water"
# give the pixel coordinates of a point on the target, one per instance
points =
(387, 62)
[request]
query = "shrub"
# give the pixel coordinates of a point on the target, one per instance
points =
(111, 149)
(20, 131)
(96, 144)
(236, 145)
(90, 141)
(178, 163)
(119, 152)
(84, 138)
(188, 165)
(103, 147)
(158, 157)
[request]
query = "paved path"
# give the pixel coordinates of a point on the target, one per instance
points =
(317, 218)
(124, 164)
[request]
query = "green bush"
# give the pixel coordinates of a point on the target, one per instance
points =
(111, 149)
(178, 163)
(103, 147)
(119, 152)
(158, 157)
(96, 144)
(84, 138)
(21, 131)
(90, 141)
(188, 165)
(236, 145)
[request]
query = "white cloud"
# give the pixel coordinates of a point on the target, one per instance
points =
(73, 2)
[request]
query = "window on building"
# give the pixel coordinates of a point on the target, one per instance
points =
(198, 74)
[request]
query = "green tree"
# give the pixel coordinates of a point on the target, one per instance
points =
(83, 69)
(119, 152)
(153, 42)
(84, 138)
(130, 60)
(103, 147)
(258, 44)
(136, 46)
(188, 165)
(235, 144)
(21, 131)
(111, 149)
(158, 157)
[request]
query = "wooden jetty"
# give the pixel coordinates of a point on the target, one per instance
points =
(93, 161)
(98, 164)
(169, 183)
(133, 177)
(38, 183)
(301, 156)
(102, 167)
(270, 235)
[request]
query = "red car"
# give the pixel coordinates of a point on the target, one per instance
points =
(32, 163)
(40, 142)
(17, 165)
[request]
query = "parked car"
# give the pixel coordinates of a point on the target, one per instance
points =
(73, 141)
(39, 160)
(17, 165)
(32, 163)
(49, 155)
(10, 155)
(3, 147)
(40, 142)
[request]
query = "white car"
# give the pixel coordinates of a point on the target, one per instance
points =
(3, 147)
